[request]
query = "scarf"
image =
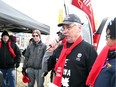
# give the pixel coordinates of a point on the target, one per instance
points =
(64, 40)
(98, 64)
(59, 67)
(10, 49)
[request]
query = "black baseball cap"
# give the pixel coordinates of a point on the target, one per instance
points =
(70, 18)
(111, 29)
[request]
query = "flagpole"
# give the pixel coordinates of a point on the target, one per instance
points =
(65, 8)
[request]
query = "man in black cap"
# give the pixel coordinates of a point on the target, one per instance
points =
(74, 57)
(9, 59)
(70, 18)
(103, 72)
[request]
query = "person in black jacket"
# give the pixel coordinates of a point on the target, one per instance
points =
(73, 59)
(12, 38)
(9, 59)
(103, 72)
(30, 41)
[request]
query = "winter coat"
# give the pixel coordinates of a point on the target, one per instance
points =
(6, 58)
(34, 55)
(77, 66)
(107, 76)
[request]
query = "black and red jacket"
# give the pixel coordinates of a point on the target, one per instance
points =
(6, 58)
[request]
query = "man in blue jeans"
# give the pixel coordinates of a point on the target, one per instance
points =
(9, 59)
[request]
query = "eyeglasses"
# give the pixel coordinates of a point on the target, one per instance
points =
(35, 35)
(68, 27)
(107, 36)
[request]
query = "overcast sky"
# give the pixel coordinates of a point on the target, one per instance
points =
(101, 7)
(104, 8)
(46, 11)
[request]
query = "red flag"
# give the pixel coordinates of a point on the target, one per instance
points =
(85, 5)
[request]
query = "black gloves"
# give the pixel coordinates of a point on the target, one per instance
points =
(17, 65)
(24, 71)
(44, 74)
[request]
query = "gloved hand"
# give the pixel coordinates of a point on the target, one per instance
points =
(24, 71)
(44, 74)
(17, 65)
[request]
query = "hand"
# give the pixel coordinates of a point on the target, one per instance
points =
(54, 44)
(17, 65)
(44, 74)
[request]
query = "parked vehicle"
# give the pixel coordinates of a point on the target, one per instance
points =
(101, 34)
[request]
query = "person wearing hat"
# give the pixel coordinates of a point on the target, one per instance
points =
(12, 38)
(73, 59)
(9, 59)
(33, 60)
(103, 72)
(30, 41)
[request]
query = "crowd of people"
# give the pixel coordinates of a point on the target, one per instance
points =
(73, 61)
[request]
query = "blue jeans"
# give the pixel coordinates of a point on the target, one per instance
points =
(35, 75)
(8, 77)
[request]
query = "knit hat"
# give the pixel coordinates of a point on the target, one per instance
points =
(70, 18)
(5, 33)
(111, 29)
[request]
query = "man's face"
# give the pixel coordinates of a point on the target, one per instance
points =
(36, 37)
(71, 32)
(110, 41)
(5, 38)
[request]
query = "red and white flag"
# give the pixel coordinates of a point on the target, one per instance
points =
(85, 5)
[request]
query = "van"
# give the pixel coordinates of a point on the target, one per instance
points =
(101, 34)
